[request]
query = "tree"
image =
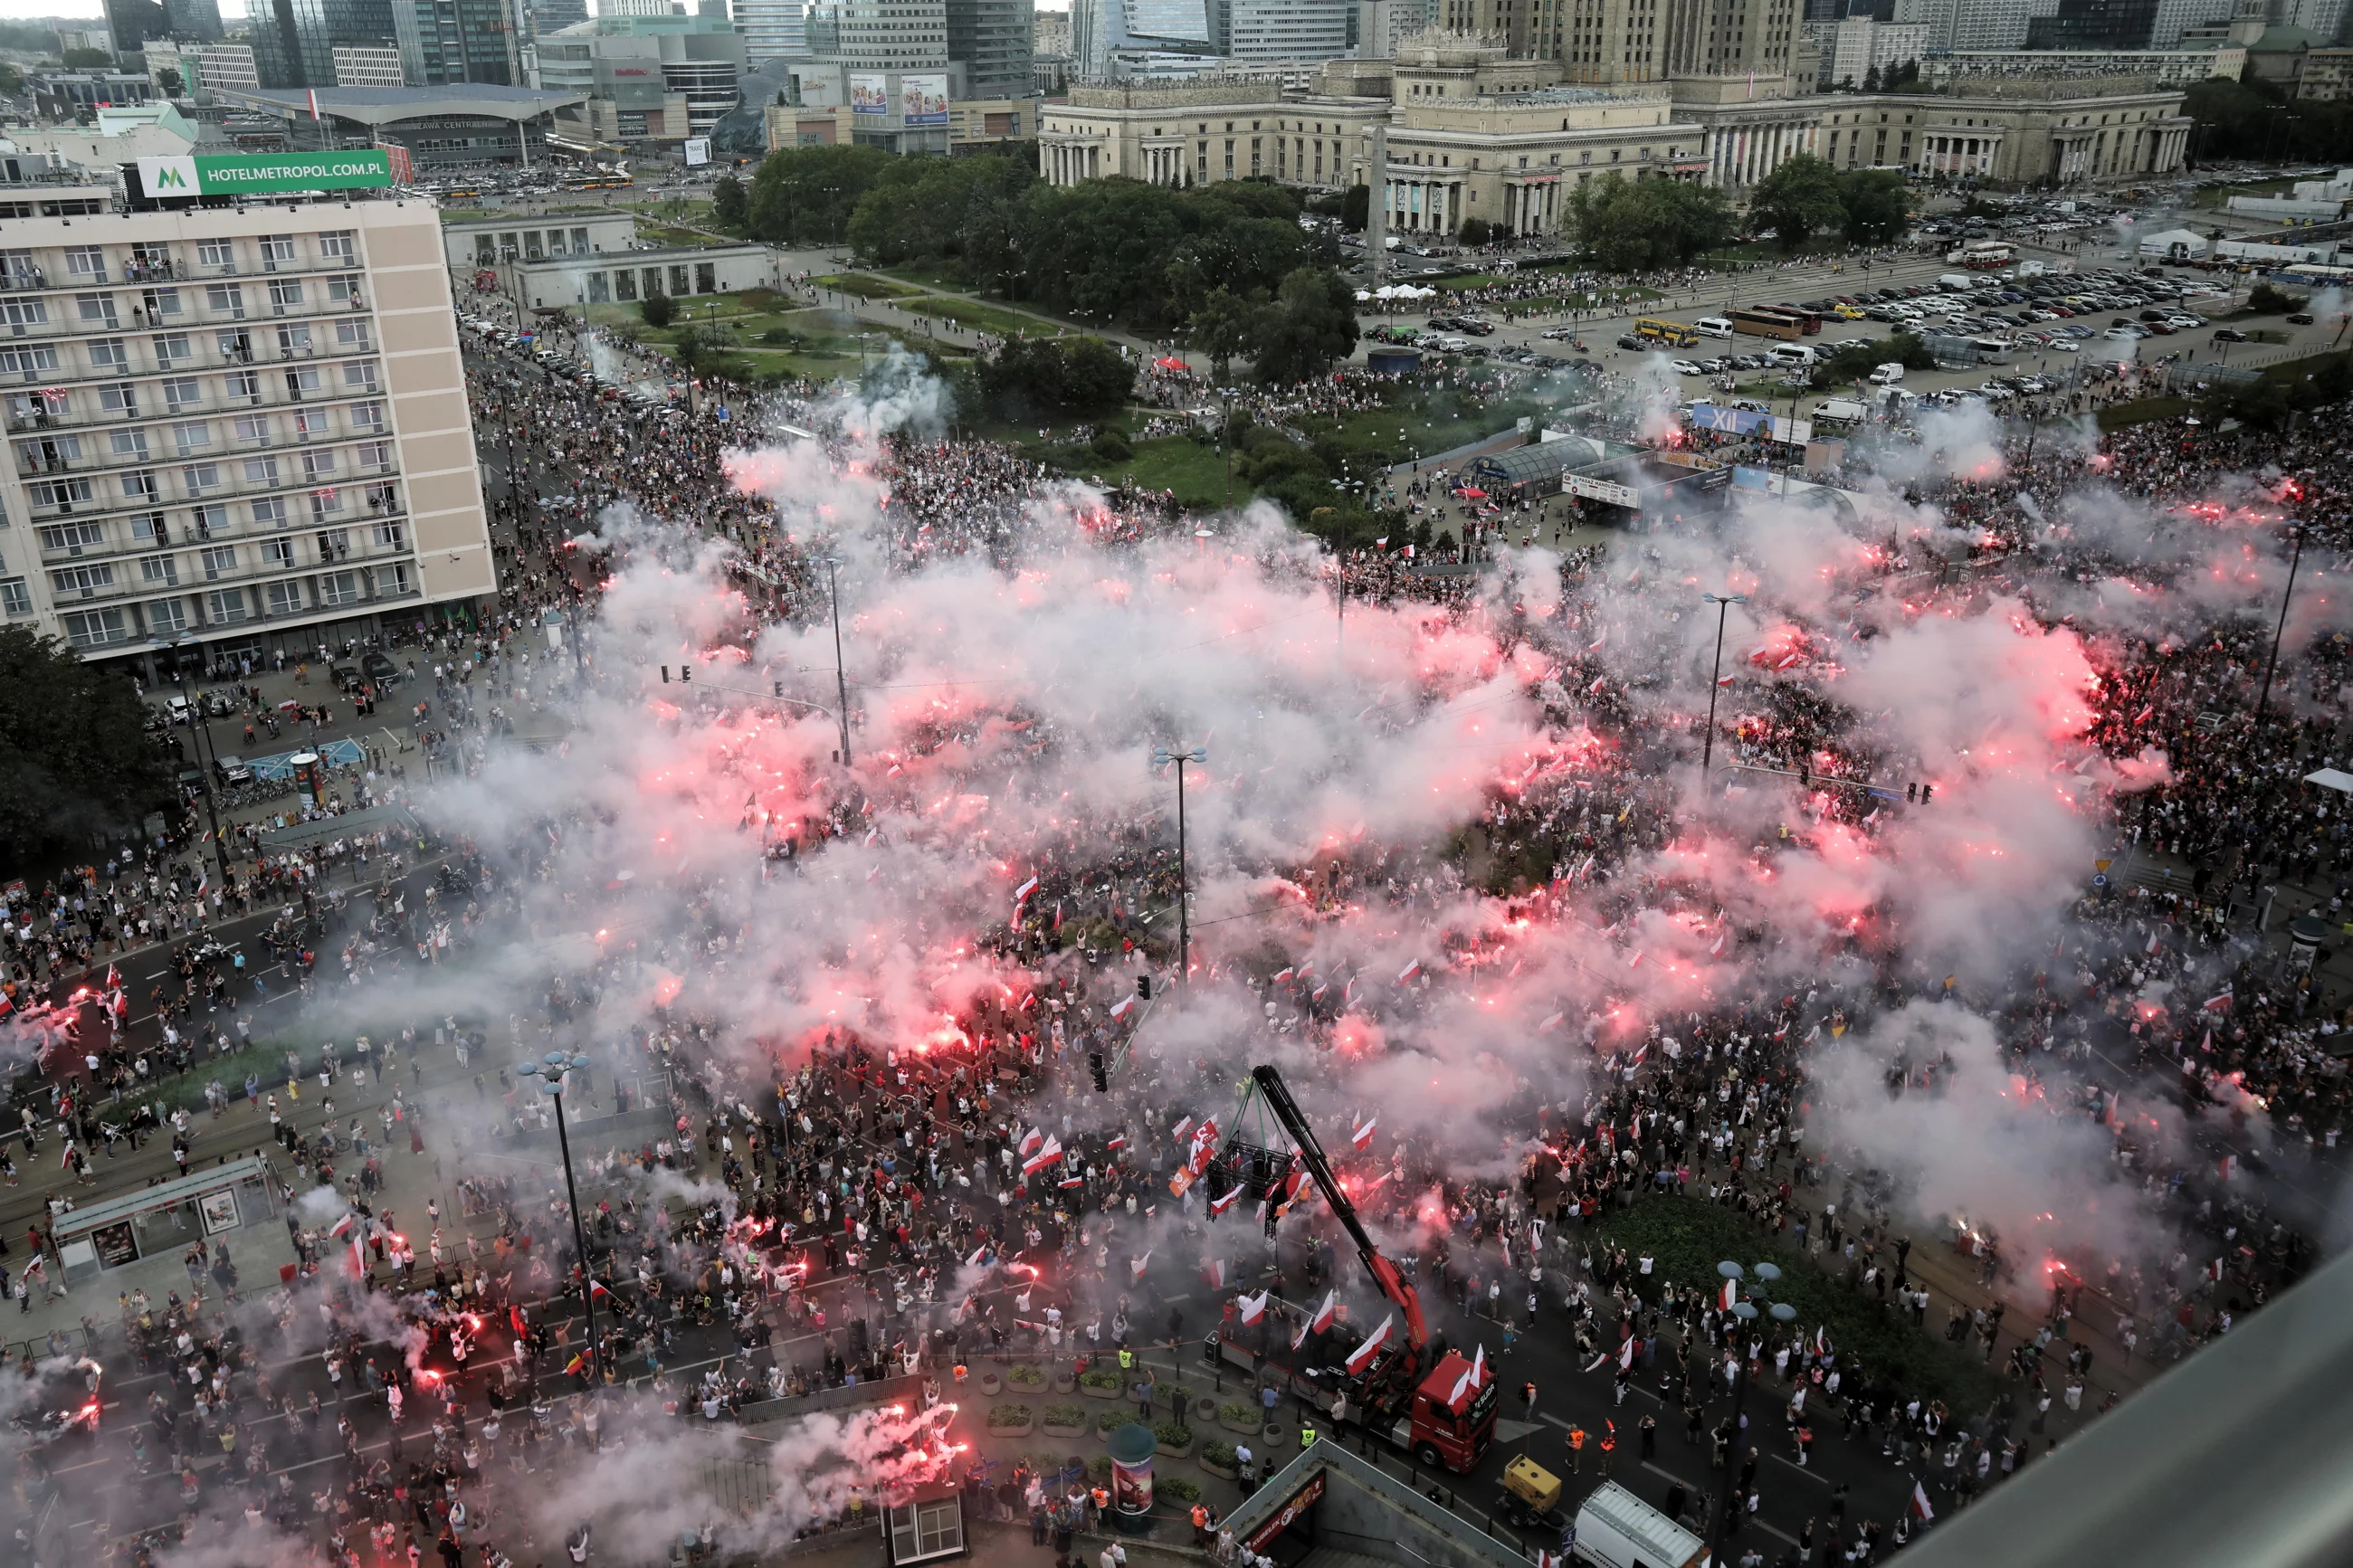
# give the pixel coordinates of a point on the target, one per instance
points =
(1628, 225)
(805, 194)
(169, 80)
(1355, 208)
(1877, 206)
(659, 310)
(1071, 374)
(1475, 231)
(1871, 80)
(1309, 323)
(75, 759)
(89, 60)
(730, 206)
(1221, 329)
(1796, 199)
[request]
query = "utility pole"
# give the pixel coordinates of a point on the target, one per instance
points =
(2262, 705)
(1722, 603)
(1184, 895)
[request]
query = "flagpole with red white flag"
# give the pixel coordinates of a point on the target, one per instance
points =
(1364, 1353)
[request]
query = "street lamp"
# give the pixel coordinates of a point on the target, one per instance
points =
(554, 1070)
(1747, 1311)
(207, 760)
(841, 682)
(2263, 704)
(1161, 759)
(1722, 603)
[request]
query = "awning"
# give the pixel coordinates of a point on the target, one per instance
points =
(2332, 778)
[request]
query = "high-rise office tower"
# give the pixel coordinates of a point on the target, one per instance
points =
(773, 29)
(444, 41)
(133, 22)
(876, 36)
(1285, 29)
(294, 40)
(994, 41)
(2095, 25)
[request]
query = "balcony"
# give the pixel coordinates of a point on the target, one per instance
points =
(130, 583)
(153, 407)
(195, 315)
(357, 511)
(122, 272)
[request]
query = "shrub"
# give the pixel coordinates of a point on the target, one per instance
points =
(1111, 1420)
(1098, 1378)
(1009, 1416)
(1238, 1415)
(1024, 1375)
(1111, 447)
(1099, 1466)
(2265, 299)
(1065, 1416)
(1176, 1487)
(659, 310)
(1175, 1433)
(1216, 1453)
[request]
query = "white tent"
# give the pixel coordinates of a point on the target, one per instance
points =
(1387, 291)
(2331, 778)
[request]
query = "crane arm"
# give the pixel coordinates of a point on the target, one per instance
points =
(1393, 1284)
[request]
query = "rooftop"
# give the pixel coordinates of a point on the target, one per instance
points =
(378, 106)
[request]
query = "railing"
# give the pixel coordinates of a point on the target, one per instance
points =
(196, 312)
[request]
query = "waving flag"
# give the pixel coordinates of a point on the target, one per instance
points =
(1364, 1353)
(1030, 1142)
(1125, 1004)
(579, 1359)
(1318, 1322)
(1176, 1134)
(1920, 1509)
(1552, 1021)
(343, 1228)
(1252, 1308)
(1362, 1137)
(1049, 1154)
(1409, 974)
(1214, 1271)
(979, 1257)
(1731, 1294)
(1021, 894)
(1135, 1269)
(595, 1288)
(1219, 1206)
(1471, 1379)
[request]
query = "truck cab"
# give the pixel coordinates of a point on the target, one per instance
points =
(1441, 1429)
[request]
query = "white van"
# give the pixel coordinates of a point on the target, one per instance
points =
(1790, 355)
(1958, 282)
(1840, 411)
(2032, 269)
(1887, 375)
(1615, 1529)
(1712, 327)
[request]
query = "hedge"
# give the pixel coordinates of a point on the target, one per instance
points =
(1065, 1416)
(1009, 1416)
(1098, 1379)
(1026, 1375)
(1216, 1453)
(1175, 1433)
(1177, 1487)
(1239, 1415)
(1686, 1238)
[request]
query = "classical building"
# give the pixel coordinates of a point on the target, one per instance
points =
(241, 426)
(1471, 132)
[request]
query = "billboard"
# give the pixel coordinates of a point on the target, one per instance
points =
(219, 175)
(698, 151)
(870, 96)
(923, 100)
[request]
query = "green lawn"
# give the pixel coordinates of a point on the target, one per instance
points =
(665, 234)
(866, 286)
(980, 318)
(1195, 472)
(2215, 199)
(928, 277)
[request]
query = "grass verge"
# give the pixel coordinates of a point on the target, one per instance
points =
(866, 286)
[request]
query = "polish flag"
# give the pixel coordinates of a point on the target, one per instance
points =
(1283, 976)
(1219, 1206)
(1319, 1321)
(359, 1252)
(1135, 1269)
(1048, 1153)
(1176, 1134)
(979, 1257)
(1252, 1308)
(1552, 1021)
(1214, 1271)
(595, 1288)
(1471, 1379)
(1072, 1182)
(1364, 1353)
(1030, 1141)
(1118, 1142)
(1121, 1008)
(1411, 971)
(1731, 1294)
(1021, 894)
(1626, 1353)
(1362, 1137)
(1920, 1509)
(2217, 1004)
(2229, 1166)
(343, 1228)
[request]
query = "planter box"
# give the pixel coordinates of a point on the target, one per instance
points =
(991, 1384)
(1064, 1383)
(1174, 1452)
(1053, 1431)
(1223, 1472)
(1205, 1411)
(1023, 1430)
(1246, 1428)
(1091, 1392)
(1273, 1434)
(1037, 1387)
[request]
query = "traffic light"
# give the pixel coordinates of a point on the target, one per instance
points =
(685, 674)
(1095, 1066)
(776, 689)
(1925, 791)
(1912, 793)
(1143, 988)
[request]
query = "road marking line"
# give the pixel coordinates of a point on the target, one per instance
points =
(1801, 1469)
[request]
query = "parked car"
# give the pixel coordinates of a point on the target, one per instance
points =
(2300, 318)
(1684, 367)
(2228, 335)
(379, 669)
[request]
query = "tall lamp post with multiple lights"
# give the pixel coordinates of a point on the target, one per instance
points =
(1161, 759)
(1722, 603)
(555, 1072)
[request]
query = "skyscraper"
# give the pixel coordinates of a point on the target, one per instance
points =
(444, 41)
(772, 29)
(994, 41)
(294, 40)
(2095, 25)
(133, 22)
(1282, 29)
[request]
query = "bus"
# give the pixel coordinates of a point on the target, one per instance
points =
(1668, 335)
(1808, 322)
(1980, 254)
(1764, 321)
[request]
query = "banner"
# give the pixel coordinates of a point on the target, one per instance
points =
(698, 151)
(923, 100)
(1305, 1498)
(870, 96)
(228, 174)
(1600, 490)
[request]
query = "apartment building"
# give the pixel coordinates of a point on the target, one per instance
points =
(244, 427)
